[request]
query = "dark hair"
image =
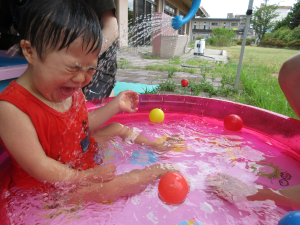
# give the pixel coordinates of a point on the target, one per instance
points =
(51, 25)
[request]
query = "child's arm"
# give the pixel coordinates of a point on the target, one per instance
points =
(20, 138)
(125, 184)
(124, 101)
(134, 136)
(289, 80)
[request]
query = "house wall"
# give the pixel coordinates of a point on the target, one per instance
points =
(205, 25)
(283, 12)
(122, 17)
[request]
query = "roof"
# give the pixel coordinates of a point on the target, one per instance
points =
(284, 7)
(229, 19)
(279, 7)
(204, 11)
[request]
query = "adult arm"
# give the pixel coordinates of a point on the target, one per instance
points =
(234, 190)
(21, 140)
(109, 29)
(289, 81)
(286, 197)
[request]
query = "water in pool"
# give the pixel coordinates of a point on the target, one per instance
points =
(208, 149)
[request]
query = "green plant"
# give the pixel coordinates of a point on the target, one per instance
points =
(170, 68)
(167, 85)
(147, 56)
(122, 63)
(222, 36)
(146, 91)
(294, 44)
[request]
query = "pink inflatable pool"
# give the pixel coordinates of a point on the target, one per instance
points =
(264, 154)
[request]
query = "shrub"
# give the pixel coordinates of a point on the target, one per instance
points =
(211, 41)
(272, 42)
(222, 36)
(294, 44)
(279, 44)
(248, 42)
(268, 35)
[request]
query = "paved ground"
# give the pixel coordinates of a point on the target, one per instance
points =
(134, 56)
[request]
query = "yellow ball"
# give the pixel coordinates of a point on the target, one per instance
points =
(156, 116)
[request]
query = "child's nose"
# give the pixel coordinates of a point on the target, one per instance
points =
(80, 77)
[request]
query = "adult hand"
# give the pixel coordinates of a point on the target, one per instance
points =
(230, 188)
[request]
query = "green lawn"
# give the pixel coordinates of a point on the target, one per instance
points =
(258, 81)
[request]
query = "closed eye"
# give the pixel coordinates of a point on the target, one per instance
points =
(91, 70)
(73, 69)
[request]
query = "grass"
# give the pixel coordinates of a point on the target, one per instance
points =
(148, 56)
(170, 68)
(122, 63)
(258, 84)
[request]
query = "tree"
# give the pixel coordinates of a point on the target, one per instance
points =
(292, 19)
(263, 19)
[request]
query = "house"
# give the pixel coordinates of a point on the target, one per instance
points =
(281, 10)
(204, 26)
(144, 8)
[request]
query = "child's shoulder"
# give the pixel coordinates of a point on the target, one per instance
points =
(9, 115)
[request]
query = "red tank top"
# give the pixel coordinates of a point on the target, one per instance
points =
(63, 136)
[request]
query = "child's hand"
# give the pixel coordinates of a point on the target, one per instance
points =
(230, 188)
(104, 173)
(127, 101)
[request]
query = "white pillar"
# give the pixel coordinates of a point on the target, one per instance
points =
(122, 17)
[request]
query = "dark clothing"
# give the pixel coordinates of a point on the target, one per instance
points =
(11, 12)
(103, 81)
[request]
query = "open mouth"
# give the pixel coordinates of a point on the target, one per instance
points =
(66, 92)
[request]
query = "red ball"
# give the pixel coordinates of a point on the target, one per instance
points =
(173, 188)
(184, 82)
(233, 122)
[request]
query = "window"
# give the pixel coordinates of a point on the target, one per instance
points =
(234, 24)
(168, 9)
(195, 27)
(214, 24)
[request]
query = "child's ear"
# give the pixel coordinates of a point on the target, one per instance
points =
(28, 51)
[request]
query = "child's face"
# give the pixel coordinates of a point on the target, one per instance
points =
(63, 72)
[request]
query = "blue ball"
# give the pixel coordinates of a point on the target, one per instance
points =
(292, 218)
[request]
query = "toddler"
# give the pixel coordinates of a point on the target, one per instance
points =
(44, 124)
